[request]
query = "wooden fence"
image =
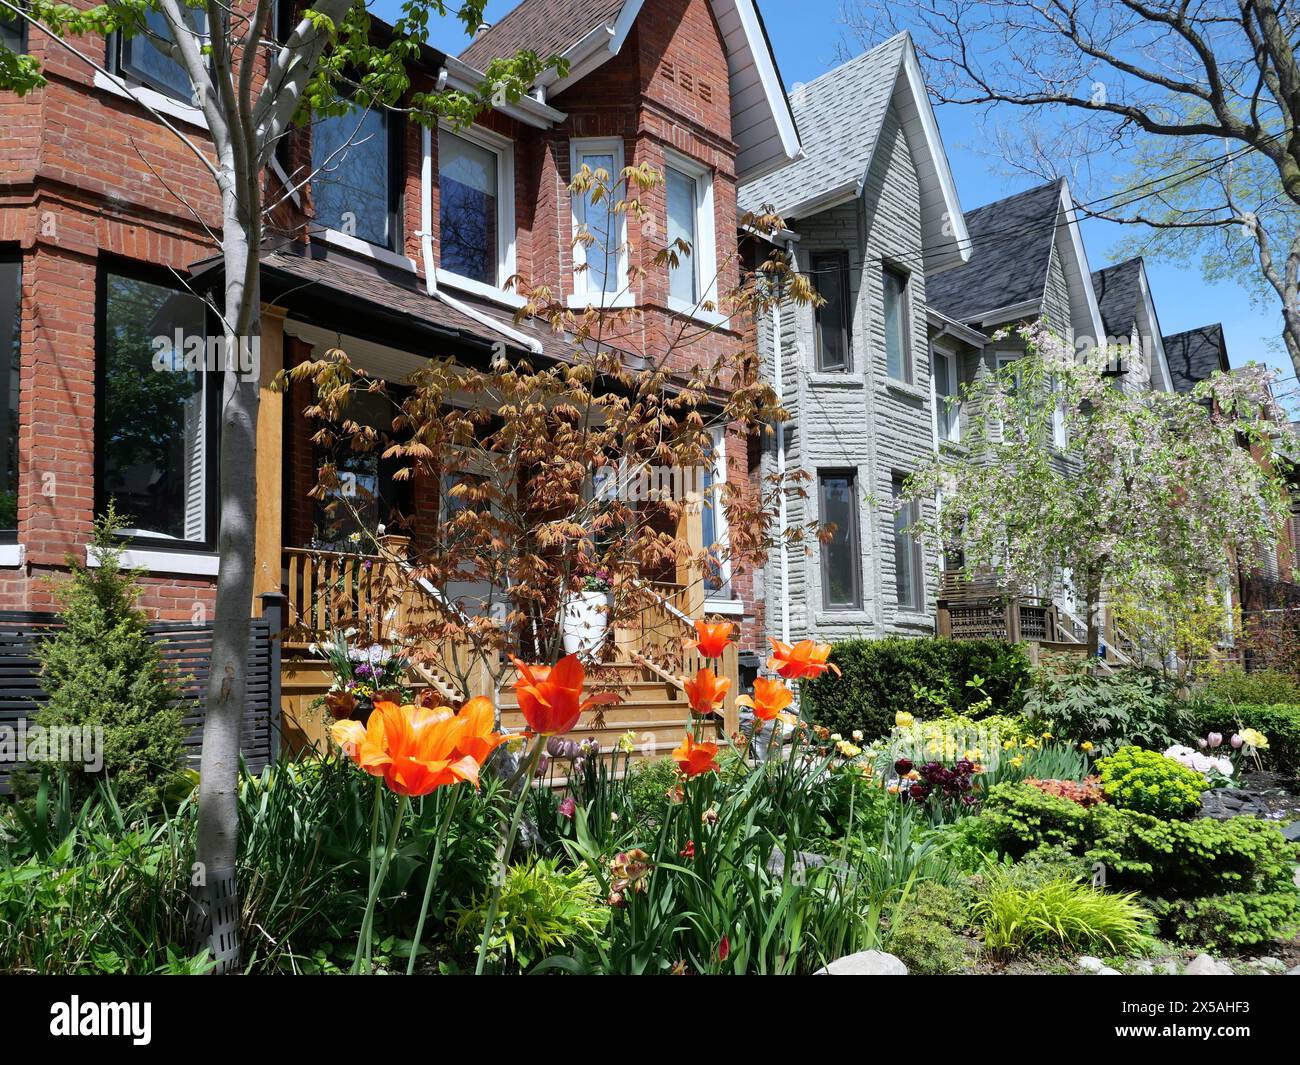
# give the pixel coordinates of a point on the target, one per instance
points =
(187, 653)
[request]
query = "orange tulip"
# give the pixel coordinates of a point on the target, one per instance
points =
(550, 697)
(416, 749)
(713, 639)
(769, 700)
(695, 758)
(804, 659)
(478, 740)
(706, 691)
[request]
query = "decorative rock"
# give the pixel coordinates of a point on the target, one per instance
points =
(1106, 970)
(1089, 964)
(1141, 967)
(1204, 965)
(1294, 972)
(1223, 803)
(1292, 831)
(1268, 965)
(865, 963)
(1167, 968)
(803, 861)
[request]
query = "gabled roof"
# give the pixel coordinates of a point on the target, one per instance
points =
(840, 116)
(547, 28)
(588, 33)
(1196, 354)
(1011, 249)
(1118, 295)
(1125, 301)
(1012, 242)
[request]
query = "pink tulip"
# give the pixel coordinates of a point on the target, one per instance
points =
(1235, 741)
(1215, 739)
(1202, 744)
(568, 808)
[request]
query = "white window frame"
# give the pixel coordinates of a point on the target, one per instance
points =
(504, 149)
(721, 531)
(583, 294)
(704, 255)
(944, 414)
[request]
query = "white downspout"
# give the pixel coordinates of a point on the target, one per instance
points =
(430, 270)
(781, 519)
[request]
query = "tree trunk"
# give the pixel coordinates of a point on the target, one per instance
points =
(215, 897)
(1094, 619)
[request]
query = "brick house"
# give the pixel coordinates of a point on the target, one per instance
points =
(94, 242)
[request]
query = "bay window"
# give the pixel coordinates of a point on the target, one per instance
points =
(603, 258)
(831, 273)
(356, 167)
(689, 194)
(476, 207)
(156, 409)
(11, 286)
(837, 495)
(943, 369)
(898, 356)
(909, 570)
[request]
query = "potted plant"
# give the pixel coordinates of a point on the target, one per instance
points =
(586, 616)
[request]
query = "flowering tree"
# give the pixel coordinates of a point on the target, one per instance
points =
(573, 472)
(252, 85)
(1072, 479)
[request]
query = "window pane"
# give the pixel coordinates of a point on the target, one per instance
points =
(11, 33)
(714, 527)
(896, 326)
(467, 187)
(154, 439)
(602, 255)
(832, 335)
(366, 497)
(840, 553)
(682, 201)
(141, 57)
(351, 161)
(907, 575)
(945, 392)
(11, 284)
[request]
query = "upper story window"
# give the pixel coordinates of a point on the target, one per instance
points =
(156, 414)
(140, 59)
(476, 206)
(898, 354)
(604, 257)
(689, 194)
(833, 332)
(11, 288)
(943, 369)
(356, 188)
(837, 498)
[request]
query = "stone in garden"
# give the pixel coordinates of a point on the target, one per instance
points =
(1204, 965)
(1167, 968)
(1106, 970)
(1268, 965)
(803, 861)
(1294, 972)
(1223, 803)
(1141, 967)
(1089, 964)
(1292, 831)
(865, 963)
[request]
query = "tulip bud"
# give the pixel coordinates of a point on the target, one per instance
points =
(1215, 739)
(1235, 741)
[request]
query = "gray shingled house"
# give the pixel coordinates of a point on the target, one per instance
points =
(873, 217)
(1128, 314)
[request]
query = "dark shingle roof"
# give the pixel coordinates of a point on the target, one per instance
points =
(1196, 354)
(547, 27)
(1118, 290)
(1011, 248)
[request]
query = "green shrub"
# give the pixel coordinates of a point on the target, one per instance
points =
(1260, 686)
(1177, 864)
(923, 932)
(1149, 782)
(1108, 710)
(1058, 915)
(101, 670)
(1279, 722)
(925, 676)
(543, 909)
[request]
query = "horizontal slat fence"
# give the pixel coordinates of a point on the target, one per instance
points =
(186, 652)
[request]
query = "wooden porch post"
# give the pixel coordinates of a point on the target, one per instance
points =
(270, 457)
(690, 574)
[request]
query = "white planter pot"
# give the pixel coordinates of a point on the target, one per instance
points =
(585, 622)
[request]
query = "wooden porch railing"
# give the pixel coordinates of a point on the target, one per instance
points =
(978, 609)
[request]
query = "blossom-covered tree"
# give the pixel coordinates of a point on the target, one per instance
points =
(1070, 478)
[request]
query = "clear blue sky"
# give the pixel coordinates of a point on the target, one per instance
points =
(805, 35)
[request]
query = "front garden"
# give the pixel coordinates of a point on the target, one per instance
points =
(937, 801)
